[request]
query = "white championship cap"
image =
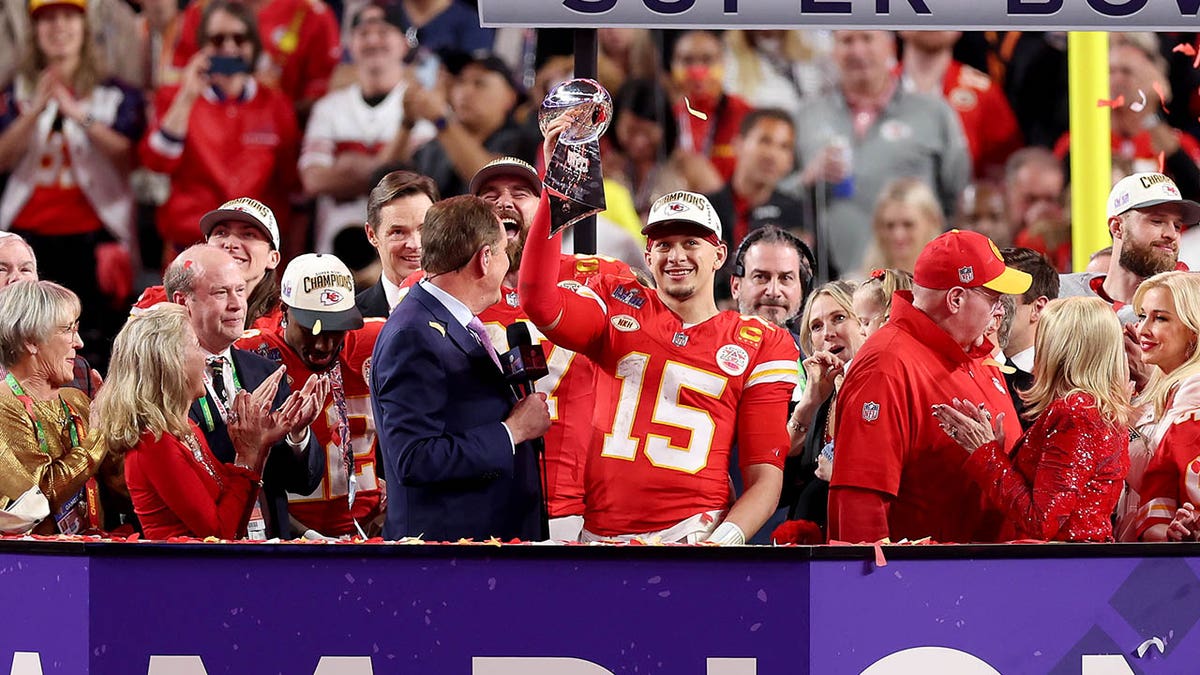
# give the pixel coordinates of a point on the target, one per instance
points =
(319, 292)
(246, 210)
(683, 207)
(1150, 189)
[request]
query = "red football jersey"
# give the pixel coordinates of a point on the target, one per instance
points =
(325, 509)
(569, 380)
(1173, 475)
(671, 401)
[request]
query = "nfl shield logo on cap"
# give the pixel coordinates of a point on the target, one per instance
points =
(966, 274)
(870, 411)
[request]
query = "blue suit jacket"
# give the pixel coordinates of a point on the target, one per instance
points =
(284, 472)
(439, 402)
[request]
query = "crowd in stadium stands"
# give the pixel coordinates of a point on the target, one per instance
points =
(261, 262)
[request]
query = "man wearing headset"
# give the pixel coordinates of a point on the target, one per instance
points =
(772, 276)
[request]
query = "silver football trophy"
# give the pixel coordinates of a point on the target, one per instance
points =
(573, 174)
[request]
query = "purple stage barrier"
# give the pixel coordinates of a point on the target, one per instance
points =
(155, 609)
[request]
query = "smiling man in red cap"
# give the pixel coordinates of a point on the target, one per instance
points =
(895, 473)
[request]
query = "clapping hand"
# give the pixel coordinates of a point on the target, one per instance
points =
(252, 427)
(970, 425)
(301, 408)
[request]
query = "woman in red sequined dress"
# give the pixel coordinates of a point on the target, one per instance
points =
(1066, 474)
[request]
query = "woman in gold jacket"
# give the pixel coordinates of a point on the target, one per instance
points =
(44, 439)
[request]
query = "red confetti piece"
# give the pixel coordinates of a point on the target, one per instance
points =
(1162, 98)
(880, 561)
(1162, 161)
(187, 264)
(1186, 49)
(1115, 103)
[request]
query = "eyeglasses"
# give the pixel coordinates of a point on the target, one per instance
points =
(218, 40)
(993, 301)
(71, 329)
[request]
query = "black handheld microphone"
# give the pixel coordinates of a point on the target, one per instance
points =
(525, 362)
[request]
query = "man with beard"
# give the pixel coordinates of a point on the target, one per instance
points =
(323, 333)
(1146, 215)
(772, 270)
(512, 186)
(772, 273)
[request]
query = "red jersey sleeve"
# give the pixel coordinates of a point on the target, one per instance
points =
(1173, 475)
(568, 313)
(762, 435)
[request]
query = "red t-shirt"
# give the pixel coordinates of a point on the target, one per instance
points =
(174, 495)
(888, 441)
(568, 385)
(301, 45)
(1173, 475)
(671, 401)
(325, 509)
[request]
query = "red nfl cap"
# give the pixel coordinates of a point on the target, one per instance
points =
(969, 260)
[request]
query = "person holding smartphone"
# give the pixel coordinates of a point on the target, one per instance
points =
(221, 134)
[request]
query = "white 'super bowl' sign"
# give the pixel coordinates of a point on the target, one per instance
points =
(1107, 15)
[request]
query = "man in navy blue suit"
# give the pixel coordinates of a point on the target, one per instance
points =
(206, 280)
(454, 437)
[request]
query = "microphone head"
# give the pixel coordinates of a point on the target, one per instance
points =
(524, 361)
(518, 335)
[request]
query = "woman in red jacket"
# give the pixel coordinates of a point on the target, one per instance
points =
(178, 487)
(1065, 475)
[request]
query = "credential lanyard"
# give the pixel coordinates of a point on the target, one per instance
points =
(72, 420)
(206, 409)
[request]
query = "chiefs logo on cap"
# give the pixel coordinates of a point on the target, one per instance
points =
(677, 207)
(330, 297)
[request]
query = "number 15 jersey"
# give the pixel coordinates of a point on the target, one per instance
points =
(671, 401)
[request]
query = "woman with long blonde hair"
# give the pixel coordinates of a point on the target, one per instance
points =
(178, 487)
(907, 216)
(1163, 486)
(1067, 471)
